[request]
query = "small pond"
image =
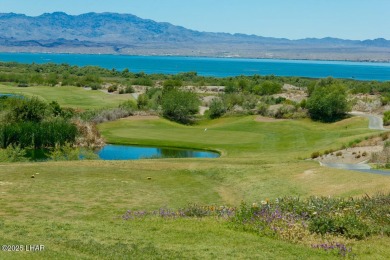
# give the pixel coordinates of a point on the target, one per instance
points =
(6, 95)
(129, 152)
(10, 95)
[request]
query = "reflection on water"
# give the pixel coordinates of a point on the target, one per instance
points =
(127, 152)
(6, 95)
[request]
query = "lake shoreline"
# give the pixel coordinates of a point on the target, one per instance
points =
(374, 61)
(219, 67)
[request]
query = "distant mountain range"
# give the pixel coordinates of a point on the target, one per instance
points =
(113, 33)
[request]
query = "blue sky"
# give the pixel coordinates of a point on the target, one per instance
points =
(293, 19)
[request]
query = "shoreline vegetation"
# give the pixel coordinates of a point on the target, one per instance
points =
(159, 94)
(213, 67)
(261, 199)
(375, 61)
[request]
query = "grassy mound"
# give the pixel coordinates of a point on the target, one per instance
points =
(75, 208)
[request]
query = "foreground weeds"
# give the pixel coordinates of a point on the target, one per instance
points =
(330, 224)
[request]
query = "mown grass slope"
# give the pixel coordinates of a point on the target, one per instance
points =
(75, 208)
(69, 96)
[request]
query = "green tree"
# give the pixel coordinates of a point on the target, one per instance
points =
(328, 103)
(142, 101)
(172, 83)
(55, 108)
(217, 108)
(32, 110)
(52, 79)
(267, 88)
(180, 106)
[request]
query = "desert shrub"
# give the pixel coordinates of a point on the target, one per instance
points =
(87, 154)
(121, 91)
(54, 109)
(302, 104)
(129, 89)
(348, 225)
(150, 92)
(90, 80)
(339, 153)
(142, 82)
(172, 83)
(285, 111)
(191, 211)
(94, 86)
(89, 135)
(386, 118)
(280, 100)
(142, 101)
(295, 219)
(315, 155)
(112, 88)
(233, 99)
(23, 85)
(69, 153)
(111, 114)
(384, 136)
(230, 88)
(385, 99)
(125, 109)
(180, 106)
(64, 153)
(22, 110)
(256, 90)
(250, 101)
(13, 154)
(325, 223)
(129, 105)
(354, 142)
(262, 108)
(383, 157)
(154, 96)
(52, 79)
(217, 108)
(267, 88)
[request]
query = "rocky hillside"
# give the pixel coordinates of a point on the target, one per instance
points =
(129, 34)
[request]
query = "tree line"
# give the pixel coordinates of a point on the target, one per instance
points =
(32, 123)
(93, 76)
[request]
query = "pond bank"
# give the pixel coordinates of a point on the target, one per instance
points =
(356, 158)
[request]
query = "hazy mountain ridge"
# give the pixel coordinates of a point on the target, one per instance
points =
(129, 34)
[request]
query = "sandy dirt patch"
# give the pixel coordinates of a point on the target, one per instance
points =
(353, 155)
(268, 119)
(202, 110)
(141, 117)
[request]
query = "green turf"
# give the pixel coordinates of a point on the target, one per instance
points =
(241, 137)
(69, 96)
(75, 208)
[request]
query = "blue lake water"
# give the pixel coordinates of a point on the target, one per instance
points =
(216, 67)
(128, 152)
